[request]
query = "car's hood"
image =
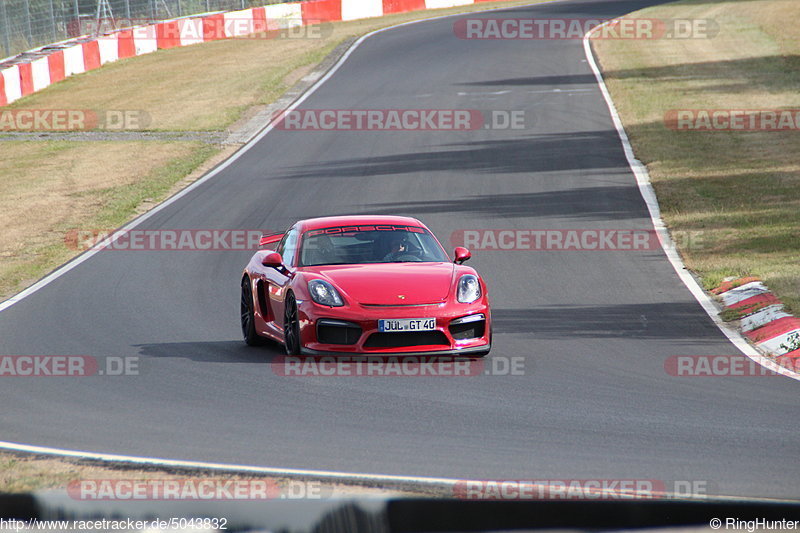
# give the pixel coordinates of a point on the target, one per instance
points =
(391, 283)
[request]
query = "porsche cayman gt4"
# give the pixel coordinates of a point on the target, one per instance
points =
(364, 285)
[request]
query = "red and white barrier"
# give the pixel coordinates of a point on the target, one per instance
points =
(109, 48)
(145, 39)
(213, 28)
(439, 4)
(56, 66)
(763, 319)
(359, 9)
(168, 34)
(402, 6)
(11, 85)
(191, 31)
(73, 60)
(26, 78)
(40, 73)
(239, 23)
(91, 55)
(282, 16)
(22, 76)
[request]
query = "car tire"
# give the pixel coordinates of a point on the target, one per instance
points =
(247, 315)
(291, 326)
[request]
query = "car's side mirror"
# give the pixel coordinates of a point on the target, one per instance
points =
(462, 254)
(272, 260)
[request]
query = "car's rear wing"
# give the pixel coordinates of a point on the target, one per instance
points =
(268, 239)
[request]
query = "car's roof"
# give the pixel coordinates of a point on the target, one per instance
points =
(329, 222)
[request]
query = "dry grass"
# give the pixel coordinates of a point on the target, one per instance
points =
(103, 184)
(27, 473)
(217, 81)
(741, 190)
(48, 188)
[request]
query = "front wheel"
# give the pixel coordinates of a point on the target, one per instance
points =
(247, 314)
(291, 326)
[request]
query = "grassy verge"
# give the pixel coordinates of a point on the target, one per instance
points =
(50, 187)
(27, 473)
(739, 191)
(98, 185)
(208, 87)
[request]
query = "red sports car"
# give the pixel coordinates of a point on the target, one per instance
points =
(364, 285)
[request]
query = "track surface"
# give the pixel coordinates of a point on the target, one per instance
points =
(594, 327)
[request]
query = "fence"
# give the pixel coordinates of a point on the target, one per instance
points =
(26, 24)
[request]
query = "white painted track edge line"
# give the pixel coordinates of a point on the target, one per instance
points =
(648, 194)
(651, 204)
(60, 271)
(135, 222)
(177, 196)
(176, 463)
(344, 477)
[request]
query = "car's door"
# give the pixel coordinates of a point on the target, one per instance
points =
(278, 280)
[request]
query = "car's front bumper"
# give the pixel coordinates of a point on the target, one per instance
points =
(446, 339)
(458, 352)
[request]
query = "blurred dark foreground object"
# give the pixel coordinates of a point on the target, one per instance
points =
(409, 515)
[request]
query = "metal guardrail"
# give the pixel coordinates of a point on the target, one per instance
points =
(27, 24)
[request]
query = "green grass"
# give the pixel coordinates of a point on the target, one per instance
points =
(117, 205)
(741, 190)
(219, 83)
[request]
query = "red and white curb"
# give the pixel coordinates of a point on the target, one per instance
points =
(779, 363)
(763, 319)
(643, 182)
(37, 69)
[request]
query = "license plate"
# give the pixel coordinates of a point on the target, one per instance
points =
(406, 324)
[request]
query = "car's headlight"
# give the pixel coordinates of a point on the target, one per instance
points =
(469, 289)
(323, 293)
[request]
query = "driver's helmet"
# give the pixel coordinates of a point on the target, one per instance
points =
(393, 241)
(398, 238)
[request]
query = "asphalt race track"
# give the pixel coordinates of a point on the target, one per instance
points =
(594, 328)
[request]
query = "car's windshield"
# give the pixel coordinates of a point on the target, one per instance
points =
(347, 245)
